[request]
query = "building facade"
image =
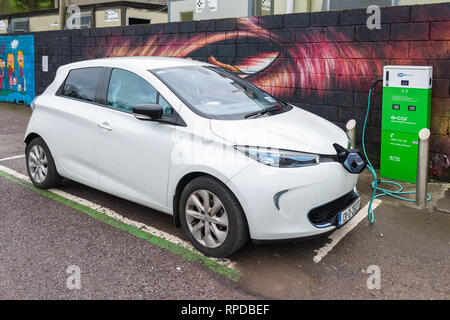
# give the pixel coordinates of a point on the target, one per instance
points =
(97, 14)
(186, 10)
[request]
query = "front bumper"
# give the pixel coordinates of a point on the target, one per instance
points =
(327, 215)
(277, 201)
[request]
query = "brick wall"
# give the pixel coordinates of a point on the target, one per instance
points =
(323, 62)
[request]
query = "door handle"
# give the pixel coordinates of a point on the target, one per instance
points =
(105, 125)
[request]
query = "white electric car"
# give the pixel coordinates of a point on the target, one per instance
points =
(187, 138)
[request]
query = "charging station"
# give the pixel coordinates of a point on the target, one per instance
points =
(406, 110)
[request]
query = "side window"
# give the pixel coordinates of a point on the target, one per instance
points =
(168, 111)
(127, 89)
(82, 83)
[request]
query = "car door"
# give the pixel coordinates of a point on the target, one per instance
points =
(133, 155)
(74, 125)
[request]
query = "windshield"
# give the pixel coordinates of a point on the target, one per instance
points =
(217, 94)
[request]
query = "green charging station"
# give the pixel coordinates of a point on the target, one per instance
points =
(405, 111)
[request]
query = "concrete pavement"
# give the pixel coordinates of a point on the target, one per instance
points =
(40, 238)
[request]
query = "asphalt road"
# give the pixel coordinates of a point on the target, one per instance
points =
(40, 238)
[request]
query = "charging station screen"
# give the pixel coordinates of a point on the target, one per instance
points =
(405, 82)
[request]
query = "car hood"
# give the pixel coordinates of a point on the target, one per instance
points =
(296, 129)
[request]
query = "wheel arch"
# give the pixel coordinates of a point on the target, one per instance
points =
(30, 137)
(182, 183)
(33, 135)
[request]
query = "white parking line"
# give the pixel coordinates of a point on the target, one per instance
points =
(339, 234)
(12, 158)
(112, 214)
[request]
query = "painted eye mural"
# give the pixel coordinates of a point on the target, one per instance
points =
(299, 65)
(276, 61)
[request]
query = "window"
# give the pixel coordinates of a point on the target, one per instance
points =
(217, 94)
(127, 89)
(166, 106)
(134, 21)
(187, 16)
(82, 83)
(356, 4)
(19, 25)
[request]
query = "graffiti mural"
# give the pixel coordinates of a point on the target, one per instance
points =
(324, 69)
(17, 81)
(279, 66)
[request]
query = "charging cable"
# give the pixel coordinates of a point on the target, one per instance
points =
(375, 183)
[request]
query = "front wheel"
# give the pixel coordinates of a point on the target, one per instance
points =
(212, 217)
(40, 165)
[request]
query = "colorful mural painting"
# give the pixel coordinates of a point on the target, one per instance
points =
(17, 81)
(324, 69)
(274, 63)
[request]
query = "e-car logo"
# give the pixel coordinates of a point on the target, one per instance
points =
(401, 75)
(399, 118)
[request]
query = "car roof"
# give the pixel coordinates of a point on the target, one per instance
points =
(147, 63)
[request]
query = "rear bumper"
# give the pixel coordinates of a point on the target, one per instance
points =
(277, 201)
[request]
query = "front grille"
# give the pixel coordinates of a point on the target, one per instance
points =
(326, 214)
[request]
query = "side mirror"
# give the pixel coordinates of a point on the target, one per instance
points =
(148, 111)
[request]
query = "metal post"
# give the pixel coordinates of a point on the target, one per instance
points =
(251, 8)
(351, 132)
(168, 11)
(62, 14)
(422, 168)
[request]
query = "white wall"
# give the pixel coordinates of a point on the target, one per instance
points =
(5, 21)
(225, 9)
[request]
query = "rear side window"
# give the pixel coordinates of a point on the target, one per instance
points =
(82, 83)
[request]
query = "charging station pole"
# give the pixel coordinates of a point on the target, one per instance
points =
(422, 168)
(351, 132)
(406, 110)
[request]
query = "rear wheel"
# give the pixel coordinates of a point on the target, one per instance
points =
(40, 165)
(212, 217)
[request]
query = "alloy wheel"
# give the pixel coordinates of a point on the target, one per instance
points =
(37, 163)
(207, 218)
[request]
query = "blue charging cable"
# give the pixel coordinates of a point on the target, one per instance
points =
(384, 192)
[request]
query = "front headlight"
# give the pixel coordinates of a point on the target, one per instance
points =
(279, 158)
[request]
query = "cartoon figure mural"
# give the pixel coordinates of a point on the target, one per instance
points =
(2, 73)
(17, 82)
(10, 70)
(22, 82)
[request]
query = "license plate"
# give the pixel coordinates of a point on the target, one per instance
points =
(349, 212)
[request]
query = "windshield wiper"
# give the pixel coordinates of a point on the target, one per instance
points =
(262, 112)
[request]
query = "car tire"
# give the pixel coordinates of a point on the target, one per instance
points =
(40, 165)
(230, 214)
